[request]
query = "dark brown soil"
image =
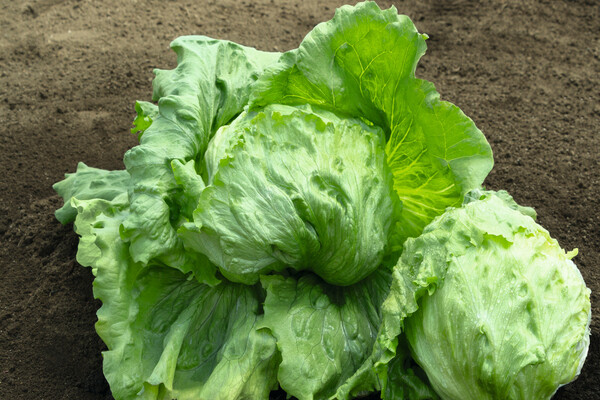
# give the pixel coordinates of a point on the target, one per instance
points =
(527, 72)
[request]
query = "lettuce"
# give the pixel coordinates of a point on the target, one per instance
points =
(329, 211)
(251, 241)
(497, 310)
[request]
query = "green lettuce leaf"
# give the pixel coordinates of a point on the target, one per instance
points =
(402, 378)
(507, 199)
(362, 63)
(146, 113)
(88, 183)
(209, 87)
(325, 333)
(295, 188)
(169, 336)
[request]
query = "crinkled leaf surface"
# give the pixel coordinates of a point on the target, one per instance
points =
(325, 333)
(362, 63)
(169, 336)
(208, 88)
(402, 378)
(296, 188)
(89, 183)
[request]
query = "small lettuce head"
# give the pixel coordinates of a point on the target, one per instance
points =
(508, 314)
(295, 187)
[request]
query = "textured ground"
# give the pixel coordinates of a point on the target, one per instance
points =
(527, 72)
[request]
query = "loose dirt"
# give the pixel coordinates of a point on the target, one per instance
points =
(527, 72)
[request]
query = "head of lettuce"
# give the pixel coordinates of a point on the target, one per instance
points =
(503, 312)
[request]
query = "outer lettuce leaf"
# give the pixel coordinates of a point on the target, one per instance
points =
(88, 183)
(209, 87)
(296, 188)
(325, 333)
(402, 378)
(362, 63)
(169, 336)
(197, 342)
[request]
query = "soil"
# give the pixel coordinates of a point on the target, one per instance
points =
(527, 72)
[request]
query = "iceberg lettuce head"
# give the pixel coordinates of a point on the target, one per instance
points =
(505, 314)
